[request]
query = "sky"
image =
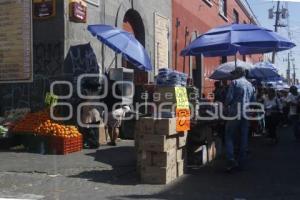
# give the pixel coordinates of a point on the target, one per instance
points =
(260, 9)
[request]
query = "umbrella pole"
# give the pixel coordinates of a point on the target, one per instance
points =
(235, 60)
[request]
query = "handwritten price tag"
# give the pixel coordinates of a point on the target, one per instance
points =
(181, 97)
(183, 119)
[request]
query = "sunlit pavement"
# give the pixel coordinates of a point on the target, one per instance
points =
(273, 172)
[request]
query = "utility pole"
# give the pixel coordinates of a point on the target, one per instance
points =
(288, 71)
(276, 26)
(294, 74)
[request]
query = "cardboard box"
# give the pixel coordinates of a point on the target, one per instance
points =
(159, 126)
(159, 143)
(141, 155)
(165, 126)
(164, 94)
(138, 140)
(179, 155)
(161, 159)
(145, 125)
(140, 159)
(182, 139)
(180, 168)
(158, 175)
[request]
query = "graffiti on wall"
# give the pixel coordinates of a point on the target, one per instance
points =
(48, 58)
(49, 65)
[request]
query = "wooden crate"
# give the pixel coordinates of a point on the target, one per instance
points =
(145, 125)
(62, 146)
(161, 159)
(180, 155)
(165, 126)
(182, 139)
(156, 126)
(180, 168)
(158, 175)
(159, 143)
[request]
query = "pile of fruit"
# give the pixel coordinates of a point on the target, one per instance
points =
(49, 128)
(31, 122)
(40, 123)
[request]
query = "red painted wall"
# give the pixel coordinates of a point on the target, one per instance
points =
(198, 16)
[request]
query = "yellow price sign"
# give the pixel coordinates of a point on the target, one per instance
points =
(181, 97)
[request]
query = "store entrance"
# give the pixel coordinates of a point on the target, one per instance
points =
(133, 23)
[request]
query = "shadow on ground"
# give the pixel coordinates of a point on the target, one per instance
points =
(273, 173)
(120, 170)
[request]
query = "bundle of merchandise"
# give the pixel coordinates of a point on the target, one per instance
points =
(169, 77)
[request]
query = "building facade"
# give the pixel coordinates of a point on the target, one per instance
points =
(63, 49)
(194, 17)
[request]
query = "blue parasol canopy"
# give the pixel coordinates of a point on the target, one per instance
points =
(124, 43)
(223, 72)
(237, 38)
(264, 71)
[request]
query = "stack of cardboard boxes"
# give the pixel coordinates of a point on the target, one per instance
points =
(160, 150)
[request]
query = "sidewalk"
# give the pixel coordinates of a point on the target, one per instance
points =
(109, 173)
(90, 174)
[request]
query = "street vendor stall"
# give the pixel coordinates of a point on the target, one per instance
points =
(36, 132)
(231, 39)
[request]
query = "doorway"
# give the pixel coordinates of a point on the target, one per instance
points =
(133, 23)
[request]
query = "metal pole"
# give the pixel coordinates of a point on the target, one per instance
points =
(276, 27)
(235, 60)
(294, 74)
(289, 69)
(176, 42)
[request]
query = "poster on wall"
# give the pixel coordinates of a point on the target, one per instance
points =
(43, 9)
(161, 41)
(15, 41)
(78, 11)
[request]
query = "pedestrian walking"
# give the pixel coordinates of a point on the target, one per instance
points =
(293, 102)
(240, 94)
(273, 111)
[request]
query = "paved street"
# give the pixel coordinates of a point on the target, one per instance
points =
(109, 173)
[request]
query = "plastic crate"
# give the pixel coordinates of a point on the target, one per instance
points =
(62, 146)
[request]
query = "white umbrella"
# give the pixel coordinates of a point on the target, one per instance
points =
(224, 71)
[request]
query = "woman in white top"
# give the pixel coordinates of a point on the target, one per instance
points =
(273, 109)
(114, 122)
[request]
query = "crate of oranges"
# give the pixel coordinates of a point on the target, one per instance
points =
(62, 139)
(62, 146)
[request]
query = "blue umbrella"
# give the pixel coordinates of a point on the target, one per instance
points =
(264, 71)
(223, 72)
(124, 43)
(237, 38)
